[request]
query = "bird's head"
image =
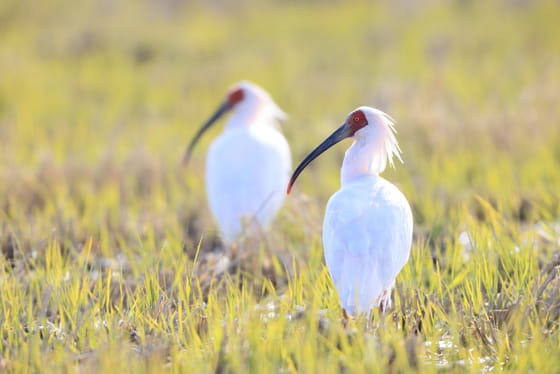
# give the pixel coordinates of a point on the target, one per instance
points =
(253, 102)
(362, 123)
(243, 97)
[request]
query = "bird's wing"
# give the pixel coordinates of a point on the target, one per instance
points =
(367, 235)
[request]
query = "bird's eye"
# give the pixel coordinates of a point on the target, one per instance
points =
(356, 119)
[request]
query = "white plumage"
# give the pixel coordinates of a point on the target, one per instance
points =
(367, 229)
(247, 169)
(366, 237)
(248, 164)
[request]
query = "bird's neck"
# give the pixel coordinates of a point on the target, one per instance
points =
(250, 113)
(256, 111)
(364, 157)
(244, 116)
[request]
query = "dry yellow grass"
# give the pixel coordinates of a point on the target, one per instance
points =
(110, 261)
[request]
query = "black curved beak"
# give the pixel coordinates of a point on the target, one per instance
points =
(223, 108)
(341, 133)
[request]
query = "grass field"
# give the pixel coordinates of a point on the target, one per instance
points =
(110, 260)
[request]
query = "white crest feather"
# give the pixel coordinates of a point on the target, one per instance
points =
(374, 145)
(392, 147)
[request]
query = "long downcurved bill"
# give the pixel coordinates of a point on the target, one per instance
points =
(341, 133)
(223, 108)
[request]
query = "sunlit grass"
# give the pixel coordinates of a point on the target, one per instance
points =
(110, 260)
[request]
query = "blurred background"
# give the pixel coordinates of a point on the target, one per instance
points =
(98, 99)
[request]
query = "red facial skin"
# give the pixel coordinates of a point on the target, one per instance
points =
(235, 97)
(356, 120)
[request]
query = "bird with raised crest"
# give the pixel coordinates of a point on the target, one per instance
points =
(367, 228)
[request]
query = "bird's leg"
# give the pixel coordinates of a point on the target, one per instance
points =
(381, 307)
(385, 301)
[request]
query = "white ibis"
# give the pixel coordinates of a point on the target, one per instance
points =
(248, 164)
(367, 230)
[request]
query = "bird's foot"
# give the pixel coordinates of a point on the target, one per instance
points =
(385, 301)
